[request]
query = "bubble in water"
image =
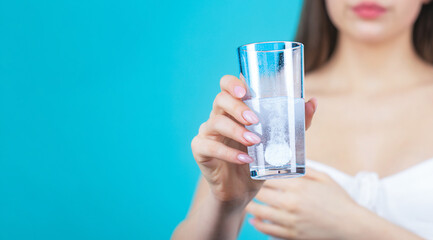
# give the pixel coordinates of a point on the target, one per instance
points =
(278, 154)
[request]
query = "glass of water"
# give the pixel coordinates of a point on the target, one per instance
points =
(274, 73)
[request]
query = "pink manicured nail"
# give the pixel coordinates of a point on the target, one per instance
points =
(251, 137)
(250, 117)
(239, 91)
(245, 158)
(251, 221)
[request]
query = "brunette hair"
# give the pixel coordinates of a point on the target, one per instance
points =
(319, 35)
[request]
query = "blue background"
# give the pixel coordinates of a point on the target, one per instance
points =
(99, 101)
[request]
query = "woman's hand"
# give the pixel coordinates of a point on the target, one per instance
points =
(220, 146)
(310, 207)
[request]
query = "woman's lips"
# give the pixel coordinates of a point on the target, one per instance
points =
(369, 10)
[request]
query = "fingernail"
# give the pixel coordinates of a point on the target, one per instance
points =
(250, 117)
(239, 91)
(245, 158)
(251, 221)
(251, 137)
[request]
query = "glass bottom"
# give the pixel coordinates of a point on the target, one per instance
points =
(273, 173)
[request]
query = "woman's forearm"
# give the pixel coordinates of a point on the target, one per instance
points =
(368, 225)
(213, 220)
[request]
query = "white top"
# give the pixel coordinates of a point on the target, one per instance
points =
(405, 198)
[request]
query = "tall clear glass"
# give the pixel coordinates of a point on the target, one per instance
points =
(274, 73)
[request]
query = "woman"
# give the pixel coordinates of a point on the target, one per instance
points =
(370, 65)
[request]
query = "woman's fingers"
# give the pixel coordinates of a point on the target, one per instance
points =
(310, 109)
(289, 185)
(277, 216)
(225, 126)
(273, 229)
(205, 149)
(271, 197)
(317, 175)
(225, 103)
(281, 184)
(233, 85)
(279, 199)
(232, 90)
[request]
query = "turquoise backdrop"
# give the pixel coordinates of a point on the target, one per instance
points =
(99, 101)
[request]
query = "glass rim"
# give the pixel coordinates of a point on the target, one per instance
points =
(247, 47)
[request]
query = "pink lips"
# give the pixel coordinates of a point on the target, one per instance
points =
(369, 10)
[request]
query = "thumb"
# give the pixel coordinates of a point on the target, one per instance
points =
(310, 109)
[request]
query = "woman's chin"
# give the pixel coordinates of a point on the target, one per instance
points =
(370, 35)
(371, 32)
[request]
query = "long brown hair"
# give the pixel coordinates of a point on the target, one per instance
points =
(319, 35)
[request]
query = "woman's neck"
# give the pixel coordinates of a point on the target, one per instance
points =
(358, 66)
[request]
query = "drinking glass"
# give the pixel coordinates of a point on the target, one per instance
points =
(273, 73)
